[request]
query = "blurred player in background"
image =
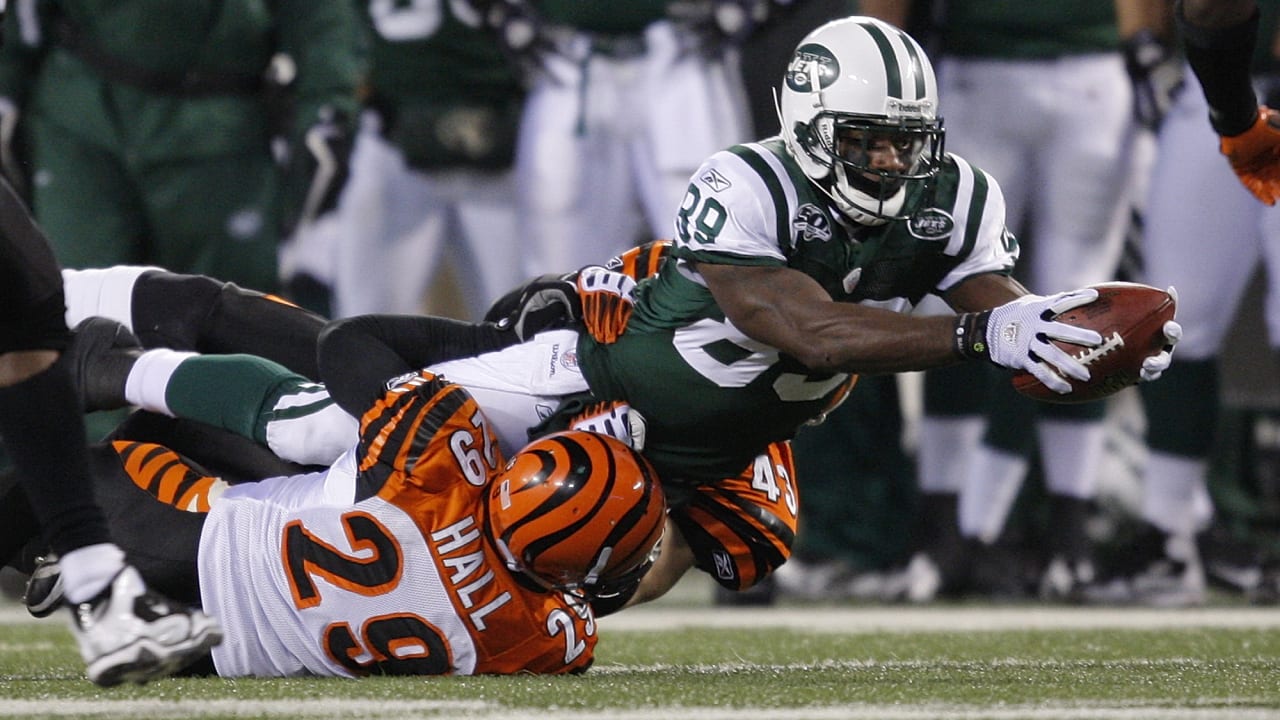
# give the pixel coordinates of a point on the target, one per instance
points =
(1230, 48)
(625, 99)
(144, 134)
(1049, 99)
(431, 172)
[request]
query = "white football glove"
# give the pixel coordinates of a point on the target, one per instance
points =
(616, 419)
(1154, 366)
(1019, 333)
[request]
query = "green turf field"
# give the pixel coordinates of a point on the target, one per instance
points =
(795, 661)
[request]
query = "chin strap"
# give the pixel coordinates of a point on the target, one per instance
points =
(848, 202)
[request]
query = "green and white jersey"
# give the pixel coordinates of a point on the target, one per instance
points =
(713, 397)
(424, 53)
(447, 95)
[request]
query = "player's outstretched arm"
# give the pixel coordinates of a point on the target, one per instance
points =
(788, 310)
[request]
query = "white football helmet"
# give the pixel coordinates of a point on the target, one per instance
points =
(855, 85)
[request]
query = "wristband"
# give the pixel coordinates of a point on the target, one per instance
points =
(970, 335)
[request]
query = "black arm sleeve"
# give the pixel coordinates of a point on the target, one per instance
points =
(32, 303)
(1220, 58)
(358, 355)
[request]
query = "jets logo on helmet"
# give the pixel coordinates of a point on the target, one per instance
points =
(812, 65)
(578, 512)
(859, 112)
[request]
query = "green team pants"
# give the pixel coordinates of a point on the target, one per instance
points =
(216, 216)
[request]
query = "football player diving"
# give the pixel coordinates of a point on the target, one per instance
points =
(795, 265)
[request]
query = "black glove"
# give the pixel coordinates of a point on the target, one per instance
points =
(1156, 74)
(318, 169)
(547, 302)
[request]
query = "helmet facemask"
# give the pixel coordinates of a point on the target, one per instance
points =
(870, 160)
(589, 589)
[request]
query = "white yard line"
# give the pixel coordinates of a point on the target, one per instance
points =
(939, 618)
(864, 619)
(315, 709)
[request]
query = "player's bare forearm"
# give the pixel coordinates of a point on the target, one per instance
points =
(786, 309)
(983, 292)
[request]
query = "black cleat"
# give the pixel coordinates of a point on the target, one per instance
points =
(44, 588)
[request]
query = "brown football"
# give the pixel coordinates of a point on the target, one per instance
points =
(1130, 317)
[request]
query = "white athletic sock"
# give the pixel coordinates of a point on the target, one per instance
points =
(946, 444)
(1174, 496)
(1071, 451)
(107, 292)
(992, 485)
(149, 378)
(88, 570)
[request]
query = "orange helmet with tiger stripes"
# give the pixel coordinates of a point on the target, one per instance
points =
(579, 512)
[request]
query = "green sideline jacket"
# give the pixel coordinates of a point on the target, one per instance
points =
(181, 38)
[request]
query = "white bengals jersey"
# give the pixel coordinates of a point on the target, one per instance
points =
(402, 581)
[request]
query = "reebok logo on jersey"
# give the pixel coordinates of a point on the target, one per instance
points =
(931, 224)
(714, 180)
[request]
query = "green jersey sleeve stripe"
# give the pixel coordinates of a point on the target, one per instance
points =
(976, 208)
(782, 216)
